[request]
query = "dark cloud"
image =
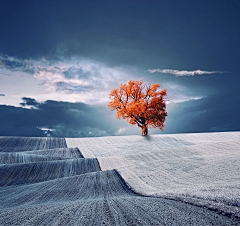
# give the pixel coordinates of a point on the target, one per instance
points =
(29, 102)
(137, 36)
(2, 95)
(15, 64)
(214, 113)
(178, 34)
(160, 34)
(60, 119)
(16, 121)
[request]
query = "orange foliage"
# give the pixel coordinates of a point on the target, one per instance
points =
(140, 104)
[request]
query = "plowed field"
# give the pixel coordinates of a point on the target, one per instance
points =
(182, 179)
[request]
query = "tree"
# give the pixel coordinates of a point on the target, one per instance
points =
(140, 104)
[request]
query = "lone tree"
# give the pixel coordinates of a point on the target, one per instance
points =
(140, 104)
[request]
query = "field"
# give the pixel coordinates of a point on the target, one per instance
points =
(177, 179)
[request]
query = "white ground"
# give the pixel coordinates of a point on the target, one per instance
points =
(203, 169)
(128, 180)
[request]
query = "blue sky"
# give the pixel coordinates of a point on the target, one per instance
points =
(60, 59)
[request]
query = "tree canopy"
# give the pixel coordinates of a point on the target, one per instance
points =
(140, 104)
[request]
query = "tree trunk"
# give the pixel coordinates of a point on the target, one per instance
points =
(144, 130)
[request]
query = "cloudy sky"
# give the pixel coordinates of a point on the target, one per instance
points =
(60, 59)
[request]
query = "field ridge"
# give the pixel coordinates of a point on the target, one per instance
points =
(111, 180)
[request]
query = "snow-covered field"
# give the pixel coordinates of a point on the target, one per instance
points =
(177, 179)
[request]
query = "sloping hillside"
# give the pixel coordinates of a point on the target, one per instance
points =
(132, 180)
(202, 169)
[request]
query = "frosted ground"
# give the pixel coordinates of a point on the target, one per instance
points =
(178, 179)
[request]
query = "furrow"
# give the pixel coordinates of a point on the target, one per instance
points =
(19, 174)
(20, 144)
(46, 181)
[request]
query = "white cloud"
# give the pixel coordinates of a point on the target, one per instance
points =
(177, 93)
(120, 131)
(183, 98)
(45, 129)
(89, 79)
(178, 73)
(54, 76)
(77, 79)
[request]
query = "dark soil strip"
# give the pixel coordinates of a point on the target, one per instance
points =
(20, 144)
(19, 174)
(97, 198)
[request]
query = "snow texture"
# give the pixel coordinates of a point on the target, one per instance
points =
(202, 169)
(183, 179)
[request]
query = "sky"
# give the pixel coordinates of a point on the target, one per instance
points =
(59, 60)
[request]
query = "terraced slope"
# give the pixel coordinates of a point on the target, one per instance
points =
(20, 157)
(43, 182)
(19, 144)
(16, 174)
(99, 198)
(59, 152)
(39, 155)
